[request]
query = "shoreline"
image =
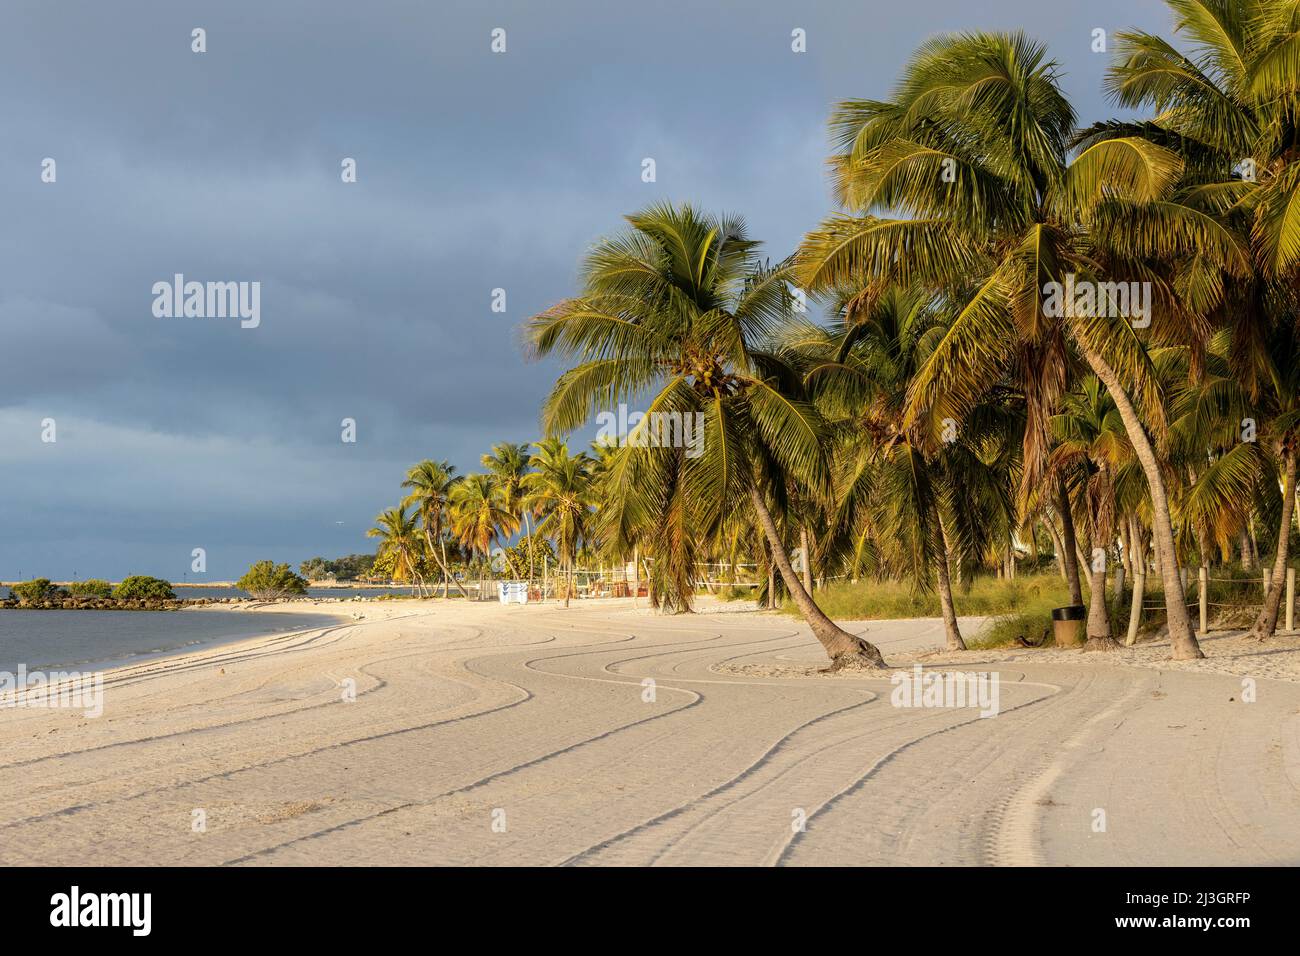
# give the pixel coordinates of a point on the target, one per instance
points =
(1228, 652)
(166, 643)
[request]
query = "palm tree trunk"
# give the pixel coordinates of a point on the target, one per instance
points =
(1135, 606)
(1099, 638)
(950, 629)
(843, 648)
(1071, 542)
(1266, 623)
(771, 582)
(1125, 560)
(442, 563)
(1058, 546)
(1243, 545)
(446, 573)
(807, 559)
(528, 529)
(1182, 638)
(1202, 529)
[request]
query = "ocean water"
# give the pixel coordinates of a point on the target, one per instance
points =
(101, 639)
(184, 591)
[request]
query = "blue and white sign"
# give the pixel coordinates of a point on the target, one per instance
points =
(512, 592)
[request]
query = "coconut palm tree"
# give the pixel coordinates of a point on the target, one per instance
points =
(1090, 447)
(560, 491)
(479, 516)
(431, 484)
(919, 499)
(960, 183)
(678, 312)
(399, 543)
(508, 462)
(1236, 463)
(1229, 107)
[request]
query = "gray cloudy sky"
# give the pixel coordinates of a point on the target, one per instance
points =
(475, 171)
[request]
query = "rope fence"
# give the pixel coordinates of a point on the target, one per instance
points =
(1249, 588)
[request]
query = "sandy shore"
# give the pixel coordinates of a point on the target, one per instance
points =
(482, 734)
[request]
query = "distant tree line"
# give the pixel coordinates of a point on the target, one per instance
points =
(347, 568)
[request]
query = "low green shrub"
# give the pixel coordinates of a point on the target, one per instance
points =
(91, 587)
(141, 587)
(266, 581)
(35, 591)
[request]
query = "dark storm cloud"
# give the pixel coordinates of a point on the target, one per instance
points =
(476, 171)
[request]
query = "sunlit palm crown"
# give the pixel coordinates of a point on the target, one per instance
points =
(478, 512)
(1230, 107)
(430, 485)
(962, 183)
(399, 541)
(561, 492)
(892, 484)
(677, 315)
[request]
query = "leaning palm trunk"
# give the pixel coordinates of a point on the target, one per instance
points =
(951, 631)
(1181, 637)
(442, 563)
(1266, 623)
(528, 529)
(1138, 560)
(843, 648)
(446, 574)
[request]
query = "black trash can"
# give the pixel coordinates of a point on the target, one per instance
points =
(1067, 625)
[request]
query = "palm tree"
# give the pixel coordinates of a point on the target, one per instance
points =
(961, 184)
(679, 311)
(399, 543)
(560, 491)
(925, 503)
(509, 464)
(1230, 109)
(479, 515)
(431, 485)
(1090, 448)
(1235, 470)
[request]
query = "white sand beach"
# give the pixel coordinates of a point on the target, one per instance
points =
(492, 735)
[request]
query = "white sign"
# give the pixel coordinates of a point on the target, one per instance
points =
(512, 592)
